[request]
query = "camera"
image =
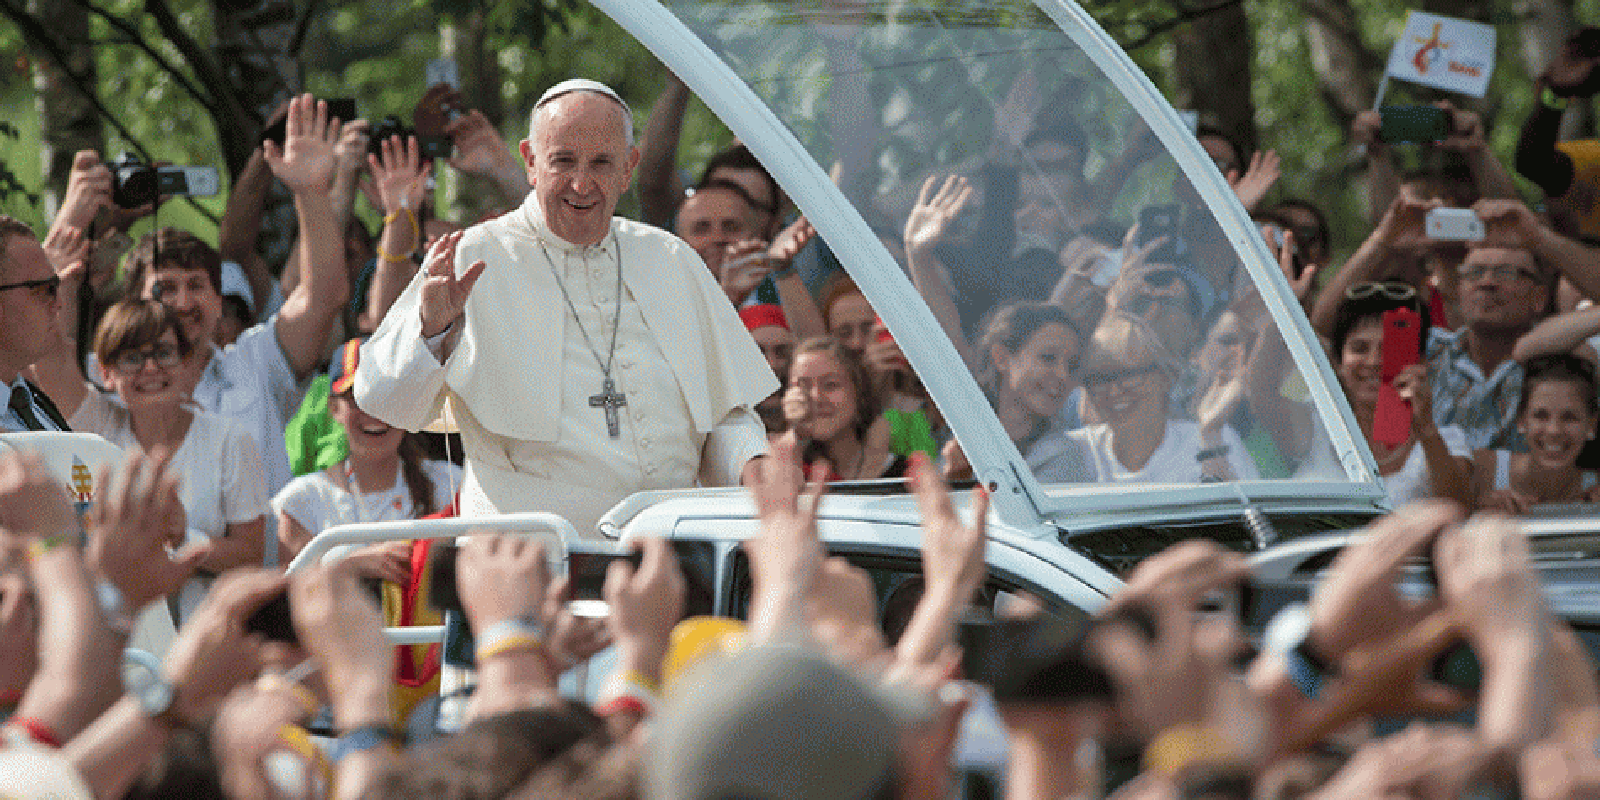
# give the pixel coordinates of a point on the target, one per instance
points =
(135, 183)
(1413, 124)
(1453, 225)
(429, 146)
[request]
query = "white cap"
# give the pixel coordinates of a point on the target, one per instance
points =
(583, 85)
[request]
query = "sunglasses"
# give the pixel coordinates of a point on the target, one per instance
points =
(1393, 291)
(50, 285)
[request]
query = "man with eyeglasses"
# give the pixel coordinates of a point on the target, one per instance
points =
(28, 306)
(1504, 291)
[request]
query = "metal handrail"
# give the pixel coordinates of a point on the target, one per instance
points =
(413, 529)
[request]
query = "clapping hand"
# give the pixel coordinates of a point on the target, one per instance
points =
(307, 158)
(444, 295)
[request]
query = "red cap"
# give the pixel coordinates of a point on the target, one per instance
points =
(763, 316)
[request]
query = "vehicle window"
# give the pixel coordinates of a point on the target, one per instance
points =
(897, 582)
(1086, 284)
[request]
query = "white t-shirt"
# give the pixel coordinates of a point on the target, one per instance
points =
(1172, 462)
(1412, 481)
(251, 382)
(219, 472)
(317, 503)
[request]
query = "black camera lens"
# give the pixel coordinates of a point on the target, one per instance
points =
(134, 183)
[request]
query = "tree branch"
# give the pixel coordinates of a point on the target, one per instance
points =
(138, 41)
(229, 115)
(1185, 15)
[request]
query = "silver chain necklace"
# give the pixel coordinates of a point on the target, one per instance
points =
(609, 398)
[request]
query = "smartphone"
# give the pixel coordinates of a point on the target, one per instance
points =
(1402, 347)
(1157, 221)
(587, 563)
(1402, 341)
(441, 571)
(1413, 124)
(341, 108)
(273, 621)
(1038, 659)
(1453, 225)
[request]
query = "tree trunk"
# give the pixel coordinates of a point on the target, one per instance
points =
(1212, 71)
(1346, 69)
(257, 56)
(68, 120)
(465, 39)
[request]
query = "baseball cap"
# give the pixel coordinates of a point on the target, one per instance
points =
(342, 371)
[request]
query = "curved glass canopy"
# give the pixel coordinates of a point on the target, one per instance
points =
(1042, 234)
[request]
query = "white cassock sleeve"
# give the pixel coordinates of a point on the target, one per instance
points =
(730, 445)
(398, 379)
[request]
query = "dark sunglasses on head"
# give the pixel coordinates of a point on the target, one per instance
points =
(1393, 291)
(50, 284)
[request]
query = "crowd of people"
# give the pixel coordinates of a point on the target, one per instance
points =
(260, 406)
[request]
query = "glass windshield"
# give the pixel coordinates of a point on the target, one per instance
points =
(1086, 285)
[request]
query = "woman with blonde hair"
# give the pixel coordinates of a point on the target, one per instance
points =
(1128, 375)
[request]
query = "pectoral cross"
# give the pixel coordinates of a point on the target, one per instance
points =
(610, 399)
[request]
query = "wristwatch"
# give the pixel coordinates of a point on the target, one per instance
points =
(1286, 636)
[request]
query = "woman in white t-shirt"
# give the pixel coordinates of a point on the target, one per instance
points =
(141, 349)
(1558, 416)
(1128, 376)
(384, 478)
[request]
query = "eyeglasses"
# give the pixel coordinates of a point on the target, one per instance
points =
(1393, 291)
(131, 361)
(50, 285)
(1500, 272)
(1124, 378)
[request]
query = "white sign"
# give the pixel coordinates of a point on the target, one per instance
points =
(1444, 52)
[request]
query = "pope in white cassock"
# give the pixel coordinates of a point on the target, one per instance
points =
(585, 357)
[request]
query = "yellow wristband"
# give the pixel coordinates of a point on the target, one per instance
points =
(416, 234)
(642, 681)
(45, 544)
(509, 644)
(1181, 745)
(1553, 101)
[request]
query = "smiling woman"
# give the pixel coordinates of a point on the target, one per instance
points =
(141, 346)
(1557, 416)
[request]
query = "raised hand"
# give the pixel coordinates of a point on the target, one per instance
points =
(1307, 280)
(401, 174)
(1507, 223)
(501, 577)
(88, 190)
(212, 653)
(444, 295)
(350, 153)
(1257, 179)
(937, 206)
(745, 264)
(1413, 387)
(789, 241)
(645, 604)
(341, 626)
(32, 504)
(134, 523)
(67, 248)
(786, 556)
(480, 150)
(307, 159)
(571, 639)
